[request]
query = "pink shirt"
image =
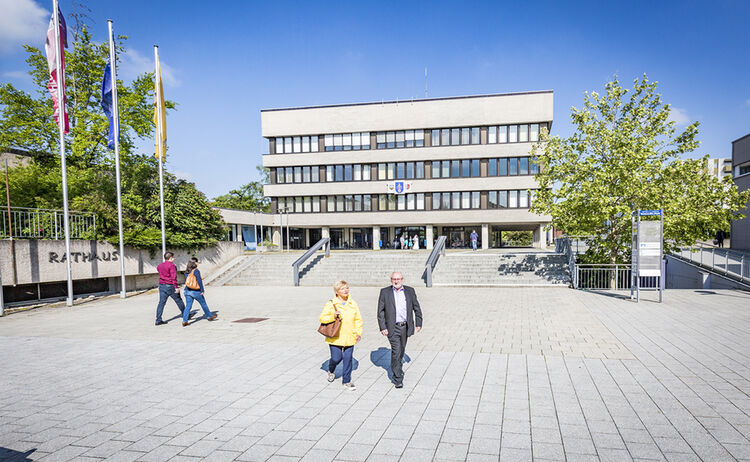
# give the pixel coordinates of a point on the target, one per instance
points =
(167, 273)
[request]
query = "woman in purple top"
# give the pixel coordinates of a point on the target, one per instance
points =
(195, 294)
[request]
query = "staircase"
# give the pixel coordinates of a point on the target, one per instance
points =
(502, 269)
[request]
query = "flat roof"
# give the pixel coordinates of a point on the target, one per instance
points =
(419, 100)
(740, 138)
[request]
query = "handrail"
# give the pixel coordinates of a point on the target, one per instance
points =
(326, 241)
(563, 245)
(729, 267)
(437, 250)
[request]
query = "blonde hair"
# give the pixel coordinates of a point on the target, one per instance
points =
(338, 285)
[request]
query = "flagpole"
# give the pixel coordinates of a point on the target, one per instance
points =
(116, 120)
(61, 111)
(160, 143)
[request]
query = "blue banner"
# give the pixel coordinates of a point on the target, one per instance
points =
(107, 104)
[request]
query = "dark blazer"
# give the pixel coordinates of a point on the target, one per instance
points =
(387, 310)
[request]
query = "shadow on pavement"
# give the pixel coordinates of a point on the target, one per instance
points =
(340, 367)
(15, 456)
(382, 358)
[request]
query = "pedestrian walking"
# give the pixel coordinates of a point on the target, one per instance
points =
(474, 238)
(399, 316)
(168, 287)
(194, 290)
(341, 346)
(720, 238)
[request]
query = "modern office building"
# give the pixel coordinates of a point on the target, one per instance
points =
(740, 233)
(719, 167)
(365, 174)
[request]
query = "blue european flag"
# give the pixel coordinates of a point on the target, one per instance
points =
(107, 104)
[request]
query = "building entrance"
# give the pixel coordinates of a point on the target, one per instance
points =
(337, 238)
(456, 236)
(409, 232)
(316, 234)
(385, 240)
(361, 238)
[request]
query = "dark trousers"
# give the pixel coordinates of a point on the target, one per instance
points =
(166, 291)
(339, 353)
(398, 347)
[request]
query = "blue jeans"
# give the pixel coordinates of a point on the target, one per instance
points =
(166, 291)
(191, 295)
(474, 244)
(337, 354)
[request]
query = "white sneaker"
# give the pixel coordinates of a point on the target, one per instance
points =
(350, 386)
(331, 376)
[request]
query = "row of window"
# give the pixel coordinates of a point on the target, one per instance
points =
(298, 175)
(521, 133)
(291, 144)
(392, 202)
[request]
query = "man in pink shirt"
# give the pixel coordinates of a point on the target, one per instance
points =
(168, 286)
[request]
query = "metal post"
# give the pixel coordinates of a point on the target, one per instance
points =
(288, 246)
(742, 267)
(255, 230)
(661, 254)
(637, 262)
(261, 229)
(160, 150)
(2, 300)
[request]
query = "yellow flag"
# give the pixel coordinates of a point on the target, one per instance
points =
(160, 112)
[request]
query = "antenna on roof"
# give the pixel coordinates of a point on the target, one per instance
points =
(425, 82)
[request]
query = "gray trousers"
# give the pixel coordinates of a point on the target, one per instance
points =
(398, 347)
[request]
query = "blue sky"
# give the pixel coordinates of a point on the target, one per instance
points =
(226, 61)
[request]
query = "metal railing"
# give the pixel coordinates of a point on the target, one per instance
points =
(564, 246)
(437, 250)
(611, 277)
(325, 242)
(723, 261)
(27, 223)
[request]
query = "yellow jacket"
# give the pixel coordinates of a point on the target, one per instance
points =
(351, 321)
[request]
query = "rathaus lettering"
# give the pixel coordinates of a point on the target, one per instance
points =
(84, 257)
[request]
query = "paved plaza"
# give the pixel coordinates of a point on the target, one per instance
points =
(497, 374)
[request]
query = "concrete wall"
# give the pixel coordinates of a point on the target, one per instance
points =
(44, 261)
(682, 275)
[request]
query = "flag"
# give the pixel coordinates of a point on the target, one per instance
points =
(54, 79)
(160, 112)
(107, 104)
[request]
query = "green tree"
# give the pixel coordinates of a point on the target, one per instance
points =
(626, 155)
(26, 122)
(249, 196)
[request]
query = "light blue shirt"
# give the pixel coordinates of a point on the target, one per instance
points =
(400, 297)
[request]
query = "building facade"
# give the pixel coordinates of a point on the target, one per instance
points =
(740, 233)
(367, 174)
(719, 167)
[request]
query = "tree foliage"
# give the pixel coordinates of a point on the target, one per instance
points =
(247, 197)
(626, 155)
(26, 122)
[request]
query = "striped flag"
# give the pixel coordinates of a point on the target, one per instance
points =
(54, 79)
(160, 113)
(107, 104)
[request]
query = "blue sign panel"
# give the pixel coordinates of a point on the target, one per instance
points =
(648, 213)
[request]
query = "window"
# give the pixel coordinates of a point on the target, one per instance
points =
(329, 142)
(349, 202)
(400, 139)
(420, 201)
(419, 138)
(475, 135)
(315, 170)
(491, 135)
(445, 137)
(400, 171)
(534, 132)
(455, 136)
(435, 138)
(502, 134)
(419, 170)
(455, 168)
(382, 202)
(513, 166)
(347, 173)
(279, 146)
(524, 167)
(314, 143)
(338, 142)
(475, 200)
(305, 174)
(475, 167)
(297, 144)
(409, 138)
(298, 204)
(410, 170)
(330, 204)
(523, 199)
(339, 203)
(381, 172)
(435, 201)
(366, 202)
(339, 173)
(298, 174)
(446, 198)
(456, 200)
(492, 167)
(391, 170)
(532, 195)
(446, 169)
(357, 172)
(502, 199)
(347, 141)
(502, 167)
(329, 173)
(410, 202)
(308, 204)
(465, 168)
(465, 200)
(533, 167)
(357, 202)
(289, 175)
(288, 144)
(366, 172)
(465, 136)
(513, 133)
(401, 200)
(492, 200)
(390, 139)
(435, 169)
(365, 139)
(305, 144)
(392, 201)
(380, 140)
(280, 175)
(523, 133)
(513, 200)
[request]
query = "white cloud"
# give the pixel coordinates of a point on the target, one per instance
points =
(134, 63)
(22, 21)
(17, 75)
(679, 116)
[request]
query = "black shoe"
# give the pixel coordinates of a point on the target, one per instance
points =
(160, 323)
(399, 385)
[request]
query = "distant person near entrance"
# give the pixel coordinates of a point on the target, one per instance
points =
(397, 309)
(474, 238)
(720, 238)
(168, 287)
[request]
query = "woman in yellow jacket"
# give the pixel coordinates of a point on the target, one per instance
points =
(342, 347)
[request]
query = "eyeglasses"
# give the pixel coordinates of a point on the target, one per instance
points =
(396, 279)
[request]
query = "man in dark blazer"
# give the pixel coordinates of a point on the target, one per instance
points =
(397, 308)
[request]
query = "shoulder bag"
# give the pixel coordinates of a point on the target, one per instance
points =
(191, 282)
(331, 329)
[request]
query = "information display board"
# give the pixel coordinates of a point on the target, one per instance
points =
(649, 248)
